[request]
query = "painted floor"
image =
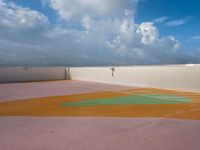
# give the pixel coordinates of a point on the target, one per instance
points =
(132, 99)
(61, 133)
(86, 115)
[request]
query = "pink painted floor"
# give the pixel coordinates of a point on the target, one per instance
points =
(89, 133)
(34, 133)
(18, 91)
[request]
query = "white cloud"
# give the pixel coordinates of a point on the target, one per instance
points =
(196, 37)
(107, 38)
(86, 23)
(178, 22)
(16, 16)
(77, 9)
(149, 33)
(160, 19)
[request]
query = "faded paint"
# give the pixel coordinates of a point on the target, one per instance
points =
(52, 106)
(90, 133)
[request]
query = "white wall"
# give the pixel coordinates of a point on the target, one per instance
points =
(23, 74)
(176, 77)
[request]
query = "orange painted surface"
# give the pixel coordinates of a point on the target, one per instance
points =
(195, 97)
(52, 106)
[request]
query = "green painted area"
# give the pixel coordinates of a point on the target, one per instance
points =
(132, 99)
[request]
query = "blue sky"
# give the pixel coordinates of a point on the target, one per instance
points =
(175, 10)
(93, 32)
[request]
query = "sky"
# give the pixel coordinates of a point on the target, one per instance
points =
(99, 32)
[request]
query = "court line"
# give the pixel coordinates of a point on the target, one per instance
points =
(130, 93)
(162, 98)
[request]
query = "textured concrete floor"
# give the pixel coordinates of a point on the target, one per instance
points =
(61, 133)
(54, 106)
(32, 117)
(15, 91)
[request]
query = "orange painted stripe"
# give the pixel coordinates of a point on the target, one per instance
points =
(52, 106)
(194, 96)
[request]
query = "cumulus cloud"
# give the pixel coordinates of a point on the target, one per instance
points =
(77, 9)
(16, 16)
(108, 35)
(149, 33)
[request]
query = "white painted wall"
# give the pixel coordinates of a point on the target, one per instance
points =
(24, 74)
(176, 77)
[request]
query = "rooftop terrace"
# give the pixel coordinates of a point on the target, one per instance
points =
(98, 110)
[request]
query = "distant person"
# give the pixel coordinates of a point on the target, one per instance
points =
(113, 71)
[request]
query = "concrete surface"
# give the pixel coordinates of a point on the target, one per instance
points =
(174, 77)
(88, 133)
(15, 91)
(24, 74)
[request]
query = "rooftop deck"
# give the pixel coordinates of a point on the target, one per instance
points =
(87, 115)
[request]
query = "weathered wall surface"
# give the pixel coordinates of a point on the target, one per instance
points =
(24, 74)
(176, 77)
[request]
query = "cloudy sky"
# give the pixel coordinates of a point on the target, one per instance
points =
(99, 32)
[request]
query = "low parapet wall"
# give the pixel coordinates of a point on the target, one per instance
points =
(175, 77)
(25, 74)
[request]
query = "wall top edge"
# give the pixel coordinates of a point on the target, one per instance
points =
(181, 65)
(1, 67)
